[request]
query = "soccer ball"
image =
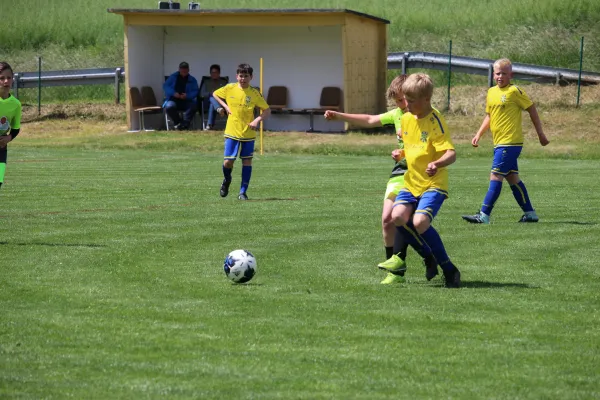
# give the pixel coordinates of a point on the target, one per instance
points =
(240, 266)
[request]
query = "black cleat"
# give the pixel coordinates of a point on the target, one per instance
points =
(431, 269)
(225, 188)
(452, 278)
(478, 218)
(529, 218)
(242, 196)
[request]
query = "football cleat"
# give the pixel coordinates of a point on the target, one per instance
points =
(225, 188)
(242, 196)
(452, 278)
(394, 265)
(392, 278)
(531, 217)
(479, 218)
(431, 269)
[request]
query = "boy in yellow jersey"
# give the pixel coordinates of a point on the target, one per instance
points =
(10, 115)
(239, 100)
(504, 105)
(396, 181)
(428, 151)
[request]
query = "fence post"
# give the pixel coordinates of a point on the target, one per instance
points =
(404, 57)
(491, 75)
(16, 85)
(117, 85)
(40, 85)
(580, 66)
(449, 72)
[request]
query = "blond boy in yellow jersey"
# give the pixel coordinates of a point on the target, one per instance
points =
(395, 182)
(428, 150)
(504, 105)
(239, 100)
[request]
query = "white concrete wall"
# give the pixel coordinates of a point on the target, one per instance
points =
(145, 65)
(305, 59)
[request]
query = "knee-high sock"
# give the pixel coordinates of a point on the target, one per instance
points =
(2, 171)
(409, 235)
(246, 174)
(434, 240)
(490, 198)
(521, 196)
(227, 173)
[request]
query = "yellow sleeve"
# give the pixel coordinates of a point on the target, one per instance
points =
(441, 140)
(221, 92)
(261, 102)
(522, 99)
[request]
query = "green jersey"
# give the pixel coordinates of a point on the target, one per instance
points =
(10, 115)
(393, 118)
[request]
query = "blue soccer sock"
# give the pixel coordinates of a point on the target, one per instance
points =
(490, 198)
(412, 237)
(227, 173)
(437, 247)
(521, 196)
(246, 174)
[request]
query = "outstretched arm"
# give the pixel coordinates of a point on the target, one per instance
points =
(535, 118)
(485, 125)
(362, 120)
(265, 114)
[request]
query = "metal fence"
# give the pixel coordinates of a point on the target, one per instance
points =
(402, 61)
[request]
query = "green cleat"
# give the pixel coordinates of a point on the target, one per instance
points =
(394, 265)
(390, 279)
(479, 218)
(530, 216)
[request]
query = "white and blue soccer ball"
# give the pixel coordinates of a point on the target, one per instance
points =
(240, 266)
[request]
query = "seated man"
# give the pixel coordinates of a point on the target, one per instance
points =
(208, 87)
(181, 91)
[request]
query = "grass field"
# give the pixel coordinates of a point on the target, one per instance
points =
(112, 283)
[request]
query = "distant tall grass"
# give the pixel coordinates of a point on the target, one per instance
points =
(81, 34)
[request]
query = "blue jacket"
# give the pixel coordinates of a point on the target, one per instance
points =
(191, 88)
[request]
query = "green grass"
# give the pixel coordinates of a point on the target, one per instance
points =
(79, 34)
(112, 283)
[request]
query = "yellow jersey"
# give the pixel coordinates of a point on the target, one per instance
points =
(241, 103)
(505, 107)
(425, 140)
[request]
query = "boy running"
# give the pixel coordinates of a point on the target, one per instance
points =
(504, 105)
(396, 181)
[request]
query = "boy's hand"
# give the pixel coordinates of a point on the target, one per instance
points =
(330, 115)
(183, 96)
(431, 169)
(254, 124)
(397, 154)
(543, 140)
(475, 141)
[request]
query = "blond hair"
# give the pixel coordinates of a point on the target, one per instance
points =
(395, 88)
(418, 86)
(503, 62)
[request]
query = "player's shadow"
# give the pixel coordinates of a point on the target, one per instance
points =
(495, 285)
(53, 244)
(246, 284)
(571, 222)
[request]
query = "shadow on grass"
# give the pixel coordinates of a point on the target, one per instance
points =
(571, 222)
(53, 244)
(246, 284)
(495, 285)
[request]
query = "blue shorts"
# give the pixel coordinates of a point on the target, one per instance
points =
(237, 148)
(429, 203)
(505, 160)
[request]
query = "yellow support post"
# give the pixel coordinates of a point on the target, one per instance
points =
(261, 91)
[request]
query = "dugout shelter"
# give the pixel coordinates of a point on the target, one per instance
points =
(304, 50)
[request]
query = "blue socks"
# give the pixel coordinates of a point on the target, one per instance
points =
(490, 198)
(521, 196)
(246, 174)
(437, 247)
